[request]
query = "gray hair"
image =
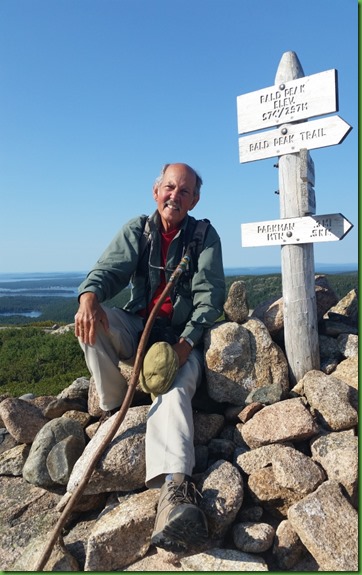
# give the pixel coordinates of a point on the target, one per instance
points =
(198, 183)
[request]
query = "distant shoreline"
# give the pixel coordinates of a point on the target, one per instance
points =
(229, 271)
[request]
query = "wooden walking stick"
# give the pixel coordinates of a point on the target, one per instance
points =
(141, 350)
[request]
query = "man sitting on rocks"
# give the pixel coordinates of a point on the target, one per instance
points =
(110, 335)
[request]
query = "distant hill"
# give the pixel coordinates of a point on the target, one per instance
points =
(265, 270)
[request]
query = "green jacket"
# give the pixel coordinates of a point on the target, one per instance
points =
(199, 295)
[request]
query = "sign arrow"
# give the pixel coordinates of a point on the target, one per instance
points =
(290, 138)
(291, 101)
(308, 229)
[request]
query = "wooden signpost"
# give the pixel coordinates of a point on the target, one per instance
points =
(305, 230)
(290, 138)
(297, 99)
(293, 98)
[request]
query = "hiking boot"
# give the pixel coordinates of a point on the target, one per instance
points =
(180, 523)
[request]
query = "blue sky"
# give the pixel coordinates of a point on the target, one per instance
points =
(98, 94)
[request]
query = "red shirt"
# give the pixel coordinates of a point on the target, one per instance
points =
(167, 308)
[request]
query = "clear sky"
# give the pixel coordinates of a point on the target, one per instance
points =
(96, 95)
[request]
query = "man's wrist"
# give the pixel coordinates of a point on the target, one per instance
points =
(189, 341)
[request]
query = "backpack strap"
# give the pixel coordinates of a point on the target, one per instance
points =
(196, 243)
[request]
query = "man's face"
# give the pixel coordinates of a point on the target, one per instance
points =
(175, 195)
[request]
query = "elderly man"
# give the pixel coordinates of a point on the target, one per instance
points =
(108, 336)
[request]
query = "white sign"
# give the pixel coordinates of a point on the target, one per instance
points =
(290, 138)
(308, 229)
(299, 99)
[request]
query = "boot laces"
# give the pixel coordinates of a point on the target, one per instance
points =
(184, 492)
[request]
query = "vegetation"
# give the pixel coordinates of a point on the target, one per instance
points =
(31, 360)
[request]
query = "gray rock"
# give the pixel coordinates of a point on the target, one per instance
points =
(330, 354)
(337, 453)
(26, 512)
(222, 493)
(333, 400)
(328, 527)
(348, 344)
(62, 457)
(122, 534)
(207, 426)
(287, 420)
(325, 295)
(223, 560)
(256, 459)
(266, 395)
(253, 537)
(288, 548)
(346, 307)
(22, 420)
(294, 470)
(60, 559)
(220, 449)
(347, 371)
(60, 406)
(12, 460)
(236, 307)
(78, 389)
(269, 494)
(35, 470)
(271, 313)
(122, 466)
(240, 359)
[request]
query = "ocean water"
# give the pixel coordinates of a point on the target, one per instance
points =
(61, 284)
(65, 284)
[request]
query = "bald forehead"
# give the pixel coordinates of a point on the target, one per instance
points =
(180, 169)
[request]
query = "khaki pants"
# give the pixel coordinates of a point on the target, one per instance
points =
(170, 429)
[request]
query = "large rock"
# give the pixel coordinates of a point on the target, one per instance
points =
(22, 419)
(337, 453)
(222, 493)
(56, 430)
(122, 534)
(288, 420)
(334, 401)
(241, 358)
(236, 307)
(328, 527)
(347, 307)
(294, 470)
(26, 512)
(122, 466)
(269, 494)
(347, 371)
(223, 560)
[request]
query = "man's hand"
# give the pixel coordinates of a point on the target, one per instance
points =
(183, 350)
(88, 317)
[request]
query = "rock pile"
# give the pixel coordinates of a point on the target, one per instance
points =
(276, 467)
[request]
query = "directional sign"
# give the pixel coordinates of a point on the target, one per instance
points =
(309, 229)
(290, 138)
(299, 99)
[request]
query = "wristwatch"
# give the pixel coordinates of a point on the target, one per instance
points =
(189, 341)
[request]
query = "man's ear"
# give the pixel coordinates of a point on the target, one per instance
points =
(155, 192)
(194, 202)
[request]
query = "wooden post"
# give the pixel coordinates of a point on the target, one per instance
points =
(297, 261)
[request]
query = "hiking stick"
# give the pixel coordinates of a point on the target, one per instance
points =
(141, 350)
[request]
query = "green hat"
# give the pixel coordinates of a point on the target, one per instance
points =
(159, 368)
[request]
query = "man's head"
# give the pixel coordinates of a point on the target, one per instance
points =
(176, 191)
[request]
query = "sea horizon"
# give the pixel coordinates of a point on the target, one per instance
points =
(237, 270)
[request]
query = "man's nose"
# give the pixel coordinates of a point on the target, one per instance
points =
(175, 193)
